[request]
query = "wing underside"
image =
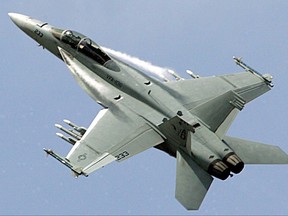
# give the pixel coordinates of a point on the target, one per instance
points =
(217, 100)
(116, 133)
(113, 135)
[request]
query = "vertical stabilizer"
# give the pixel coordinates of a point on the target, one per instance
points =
(192, 182)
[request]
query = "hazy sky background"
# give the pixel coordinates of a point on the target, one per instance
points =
(37, 91)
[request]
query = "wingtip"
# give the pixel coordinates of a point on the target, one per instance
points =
(47, 151)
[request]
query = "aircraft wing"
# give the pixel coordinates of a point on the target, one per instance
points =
(217, 100)
(113, 135)
(116, 133)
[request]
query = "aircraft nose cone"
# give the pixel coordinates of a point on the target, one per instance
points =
(18, 19)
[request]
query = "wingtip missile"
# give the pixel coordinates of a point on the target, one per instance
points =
(266, 77)
(48, 151)
(66, 162)
(237, 59)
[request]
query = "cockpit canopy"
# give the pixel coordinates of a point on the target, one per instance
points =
(72, 38)
(88, 48)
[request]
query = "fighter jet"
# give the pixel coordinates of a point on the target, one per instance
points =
(186, 118)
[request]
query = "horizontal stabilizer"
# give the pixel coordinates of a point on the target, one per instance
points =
(192, 182)
(257, 153)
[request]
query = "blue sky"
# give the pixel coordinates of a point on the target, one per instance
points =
(37, 91)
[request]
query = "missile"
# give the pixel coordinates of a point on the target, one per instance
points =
(174, 74)
(56, 156)
(67, 139)
(237, 60)
(266, 77)
(70, 123)
(79, 129)
(48, 151)
(194, 76)
(66, 162)
(70, 132)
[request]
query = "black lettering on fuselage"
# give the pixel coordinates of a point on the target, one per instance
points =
(114, 81)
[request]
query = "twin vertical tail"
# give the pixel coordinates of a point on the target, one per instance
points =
(193, 180)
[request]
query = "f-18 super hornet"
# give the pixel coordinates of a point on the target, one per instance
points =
(186, 118)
